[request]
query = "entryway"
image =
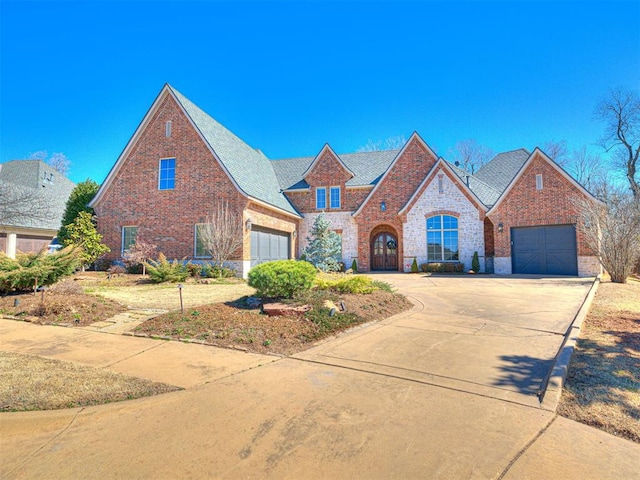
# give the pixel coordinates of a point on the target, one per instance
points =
(384, 252)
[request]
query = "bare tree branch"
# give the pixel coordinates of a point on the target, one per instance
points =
(60, 162)
(470, 155)
(20, 205)
(222, 234)
(391, 143)
(620, 111)
(557, 151)
(612, 231)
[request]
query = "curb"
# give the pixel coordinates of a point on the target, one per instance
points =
(553, 391)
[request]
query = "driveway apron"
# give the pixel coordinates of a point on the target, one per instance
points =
(488, 335)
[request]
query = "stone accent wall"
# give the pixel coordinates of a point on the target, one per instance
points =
(452, 201)
(344, 223)
(264, 217)
(502, 265)
(589, 266)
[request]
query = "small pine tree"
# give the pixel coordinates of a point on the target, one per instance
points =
(80, 196)
(354, 266)
(323, 246)
(83, 234)
(414, 266)
(475, 262)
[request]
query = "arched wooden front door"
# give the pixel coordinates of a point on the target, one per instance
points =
(384, 252)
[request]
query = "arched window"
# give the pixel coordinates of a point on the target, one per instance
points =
(442, 238)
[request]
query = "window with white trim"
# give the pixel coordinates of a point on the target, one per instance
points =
(539, 184)
(167, 174)
(129, 235)
(321, 198)
(334, 197)
(442, 238)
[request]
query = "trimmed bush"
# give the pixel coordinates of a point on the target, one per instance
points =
(354, 266)
(414, 266)
(162, 270)
(214, 271)
(29, 271)
(282, 278)
(444, 267)
(475, 262)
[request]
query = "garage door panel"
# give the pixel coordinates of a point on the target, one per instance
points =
(267, 245)
(547, 250)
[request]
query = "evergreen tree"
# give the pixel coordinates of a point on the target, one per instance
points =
(323, 246)
(80, 196)
(83, 233)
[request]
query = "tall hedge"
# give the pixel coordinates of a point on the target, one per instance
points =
(282, 278)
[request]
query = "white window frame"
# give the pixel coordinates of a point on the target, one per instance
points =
(324, 196)
(539, 182)
(124, 227)
(442, 231)
(160, 172)
(332, 189)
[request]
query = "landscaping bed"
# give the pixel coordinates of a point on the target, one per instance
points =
(603, 382)
(235, 325)
(64, 303)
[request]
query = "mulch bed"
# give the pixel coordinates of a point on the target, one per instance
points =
(234, 325)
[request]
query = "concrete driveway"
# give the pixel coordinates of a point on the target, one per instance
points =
(445, 391)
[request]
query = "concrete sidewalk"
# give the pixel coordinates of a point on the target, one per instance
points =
(399, 399)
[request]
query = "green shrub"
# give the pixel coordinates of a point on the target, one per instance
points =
(414, 266)
(162, 270)
(350, 284)
(354, 266)
(282, 278)
(475, 262)
(208, 270)
(28, 271)
(444, 267)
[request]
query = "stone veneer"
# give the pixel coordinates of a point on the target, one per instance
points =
(450, 202)
(343, 223)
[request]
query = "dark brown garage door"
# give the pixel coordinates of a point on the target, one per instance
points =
(267, 245)
(549, 250)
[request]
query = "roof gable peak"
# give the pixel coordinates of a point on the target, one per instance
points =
(327, 149)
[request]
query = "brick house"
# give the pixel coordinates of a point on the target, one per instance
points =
(389, 207)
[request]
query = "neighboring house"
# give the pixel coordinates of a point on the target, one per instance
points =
(389, 207)
(48, 191)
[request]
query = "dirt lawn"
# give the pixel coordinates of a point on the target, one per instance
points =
(603, 384)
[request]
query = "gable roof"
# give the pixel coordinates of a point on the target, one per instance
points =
(367, 168)
(523, 168)
(414, 137)
(327, 148)
(487, 194)
(43, 179)
(249, 169)
(441, 164)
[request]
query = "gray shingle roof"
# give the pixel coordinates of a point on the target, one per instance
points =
(367, 167)
(248, 167)
(46, 181)
(499, 172)
(487, 194)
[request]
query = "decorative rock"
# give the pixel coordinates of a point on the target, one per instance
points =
(273, 309)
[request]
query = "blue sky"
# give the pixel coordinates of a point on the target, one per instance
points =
(288, 77)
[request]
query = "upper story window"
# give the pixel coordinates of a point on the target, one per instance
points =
(321, 198)
(167, 177)
(167, 129)
(442, 238)
(539, 184)
(129, 235)
(334, 197)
